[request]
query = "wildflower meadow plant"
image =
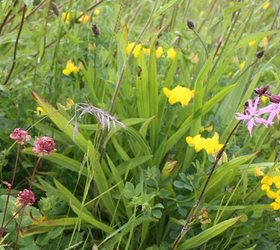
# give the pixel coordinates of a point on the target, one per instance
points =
(154, 125)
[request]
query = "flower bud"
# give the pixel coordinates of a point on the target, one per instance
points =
(262, 91)
(95, 29)
(274, 98)
(190, 24)
(55, 9)
(260, 54)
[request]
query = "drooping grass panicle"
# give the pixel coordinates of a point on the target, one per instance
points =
(102, 117)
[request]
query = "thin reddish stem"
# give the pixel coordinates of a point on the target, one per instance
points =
(9, 193)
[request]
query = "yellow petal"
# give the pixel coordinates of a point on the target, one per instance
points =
(275, 205)
(270, 194)
(251, 44)
(242, 65)
(159, 52)
(66, 72)
(40, 111)
(258, 172)
(97, 12)
(166, 91)
(171, 53)
(75, 69)
(266, 5)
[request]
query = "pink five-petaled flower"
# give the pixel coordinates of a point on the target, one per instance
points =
(21, 136)
(26, 197)
(43, 146)
(253, 115)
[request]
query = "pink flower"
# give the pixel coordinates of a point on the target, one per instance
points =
(43, 146)
(26, 197)
(252, 115)
(21, 136)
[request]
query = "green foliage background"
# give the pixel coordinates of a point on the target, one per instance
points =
(107, 189)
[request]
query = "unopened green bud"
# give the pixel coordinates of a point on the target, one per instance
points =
(168, 168)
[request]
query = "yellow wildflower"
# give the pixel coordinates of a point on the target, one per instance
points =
(264, 99)
(267, 180)
(265, 187)
(40, 112)
(211, 145)
(264, 42)
(275, 205)
(276, 181)
(242, 65)
(258, 172)
(192, 141)
(159, 52)
(66, 17)
(266, 5)
(179, 94)
(136, 50)
(270, 194)
(251, 44)
(70, 67)
(171, 53)
(84, 18)
(97, 12)
(228, 75)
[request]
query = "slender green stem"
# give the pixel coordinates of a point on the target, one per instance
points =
(202, 42)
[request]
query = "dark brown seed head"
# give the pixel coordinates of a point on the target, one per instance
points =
(260, 54)
(95, 29)
(55, 9)
(190, 24)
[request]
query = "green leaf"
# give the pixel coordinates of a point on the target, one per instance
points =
(208, 234)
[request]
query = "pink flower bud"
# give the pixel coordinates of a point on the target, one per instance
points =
(43, 146)
(21, 136)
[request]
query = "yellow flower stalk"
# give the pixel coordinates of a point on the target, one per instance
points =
(171, 53)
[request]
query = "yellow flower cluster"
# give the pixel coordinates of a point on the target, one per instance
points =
(211, 145)
(67, 17)
(262, 44)
(70, 67)
(179, 94)
(139, 47)
(267, 182)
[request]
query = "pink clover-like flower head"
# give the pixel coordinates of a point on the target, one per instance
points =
(20, 136)
(43, 146)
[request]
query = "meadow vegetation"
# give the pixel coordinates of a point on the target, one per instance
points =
(139, 124)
